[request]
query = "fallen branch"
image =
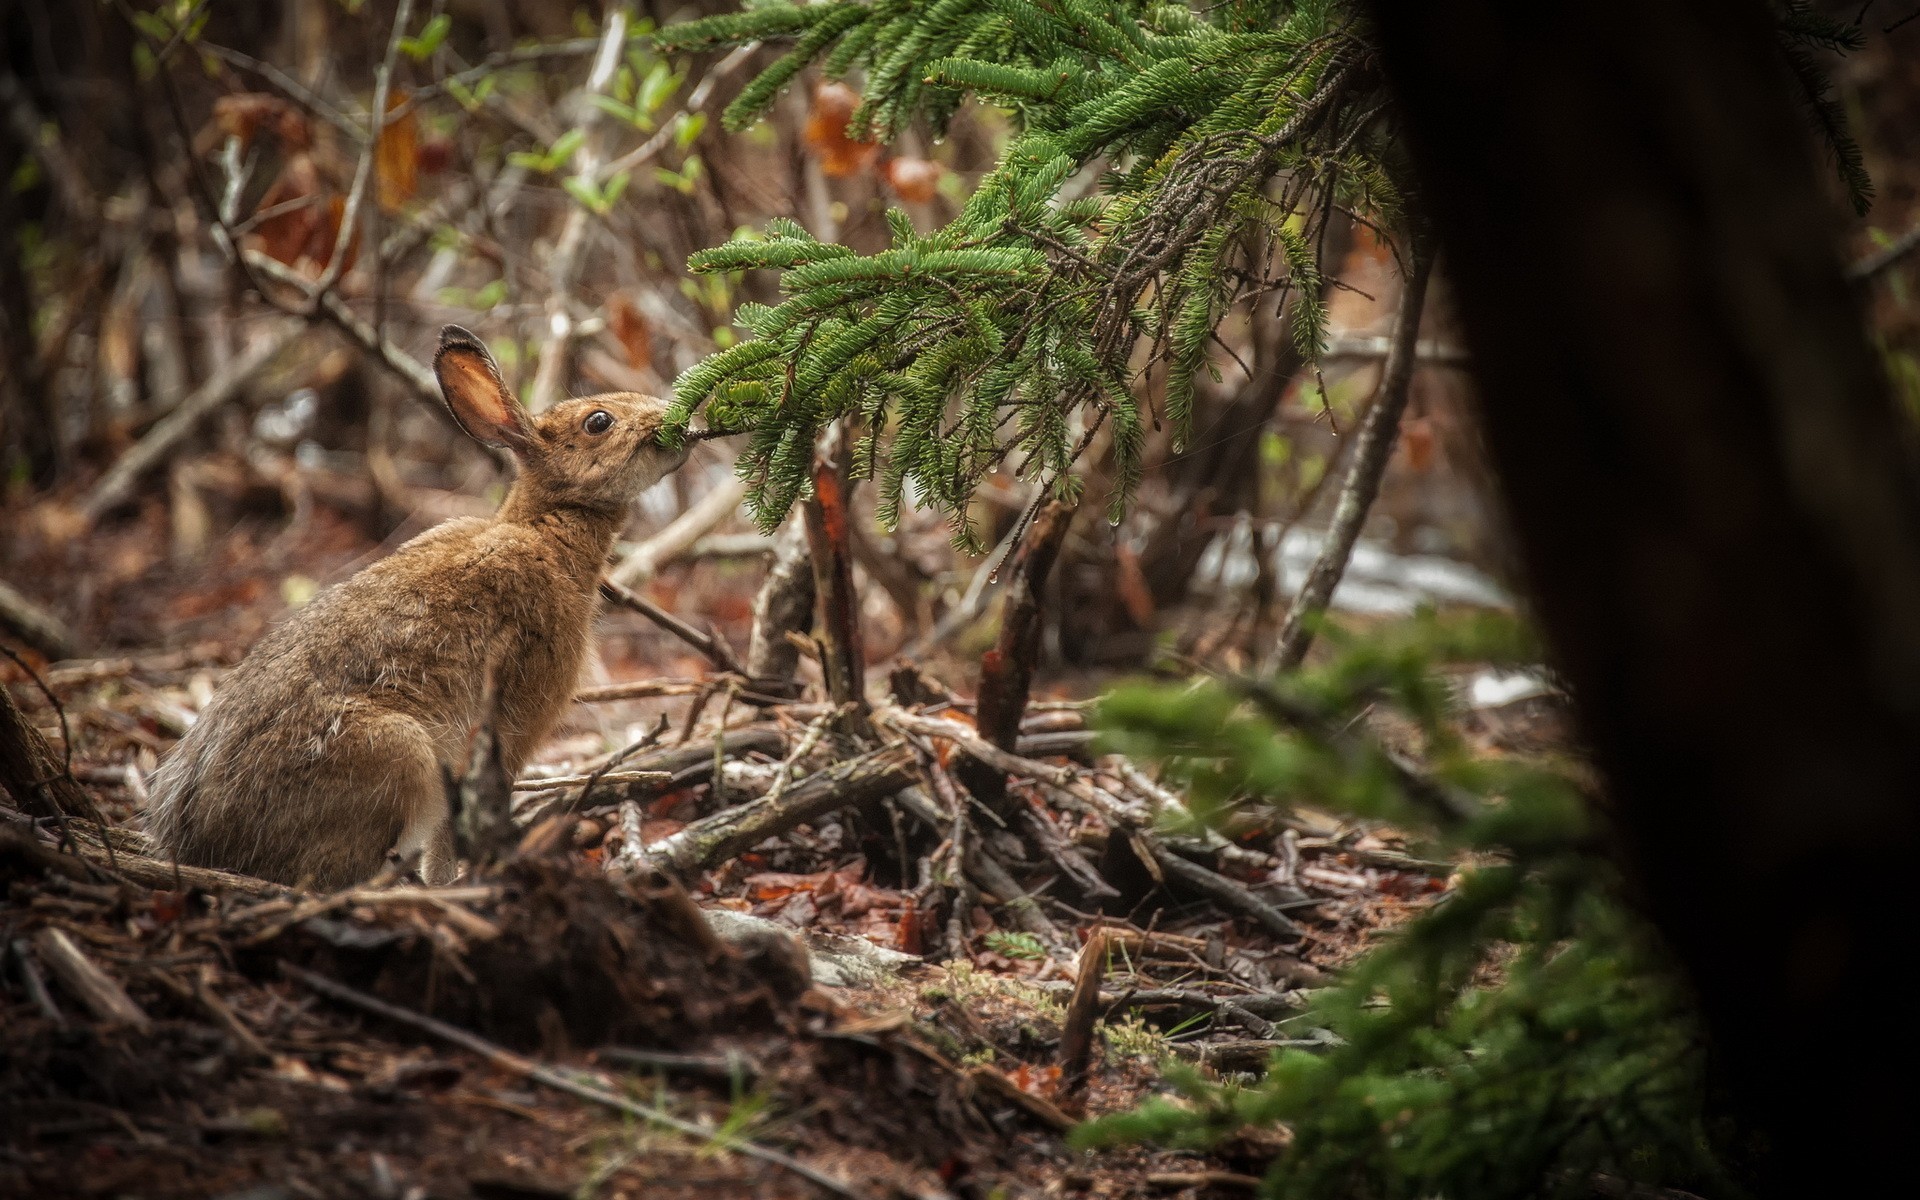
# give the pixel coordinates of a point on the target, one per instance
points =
(641, 689)
(38, 628)
(93, 987)
(980, 866)
(1265, 1007)
(161, 875)
(686, 765)
(1228, 894)
(116, 486)
(646, 559)
(1177, 1181)
(508, 1061)
(560, 783)
(709, 644)
(854, 783)
(1373, 447)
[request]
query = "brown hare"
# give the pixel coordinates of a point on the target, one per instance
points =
(322, 751)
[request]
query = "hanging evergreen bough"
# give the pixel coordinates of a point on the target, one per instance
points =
(1009, 336)
(1225, 136)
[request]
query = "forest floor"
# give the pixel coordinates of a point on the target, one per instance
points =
(173, 1035)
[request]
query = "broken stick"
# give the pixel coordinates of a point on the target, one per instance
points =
(1076, 1032)
(713, 840)
(93, 987)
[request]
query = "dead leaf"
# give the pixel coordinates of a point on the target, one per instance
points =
(1136, 596)
(247, 115)
(826, 132)
(1417, 439)
(629, 326)
(396, 158)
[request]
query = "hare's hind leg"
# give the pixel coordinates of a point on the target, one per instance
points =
(385, 796)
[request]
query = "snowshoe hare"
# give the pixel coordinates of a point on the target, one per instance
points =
(322, 751)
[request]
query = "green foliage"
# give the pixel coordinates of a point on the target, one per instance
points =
(1803, 34)
(1520, 1035)
(1015, 945)
(1169, 160)
(1009, 336)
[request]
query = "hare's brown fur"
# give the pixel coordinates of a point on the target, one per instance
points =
(322, 752)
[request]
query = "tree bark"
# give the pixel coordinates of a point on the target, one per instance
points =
(713, 840)
(1006, 670)
(829, 516)
(31, 772)
(1716, 505)
(784, 604)
(1372, 449)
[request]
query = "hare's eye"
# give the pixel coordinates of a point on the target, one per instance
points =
(598, 421)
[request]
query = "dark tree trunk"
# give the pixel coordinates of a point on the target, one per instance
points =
(28, 423)
(1717, 510)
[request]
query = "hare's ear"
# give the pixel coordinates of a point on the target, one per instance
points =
(479, 401)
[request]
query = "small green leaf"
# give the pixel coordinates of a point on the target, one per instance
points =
(607, 104)
(688, 128)
(657, 88)
(421, 48)
(562, 150)
(152, 26)
(582, 189)
(615, 185)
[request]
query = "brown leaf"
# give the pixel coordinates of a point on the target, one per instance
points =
(826, 132)
(247, 115)
(630, 327)
(396, 158)
(285, 236)
(1136, 595)
(319, 248)
(1418, 442)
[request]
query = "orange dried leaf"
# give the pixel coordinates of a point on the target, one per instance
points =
(1136, 595)
(246, 115)
(285, 236)
(1417, 439)
(396, 158)
(630, 328)
(826, 132)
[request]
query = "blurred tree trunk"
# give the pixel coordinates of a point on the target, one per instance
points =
(1717, 509)
(27, 428)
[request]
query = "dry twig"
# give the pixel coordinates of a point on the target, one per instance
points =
(552, 1077)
